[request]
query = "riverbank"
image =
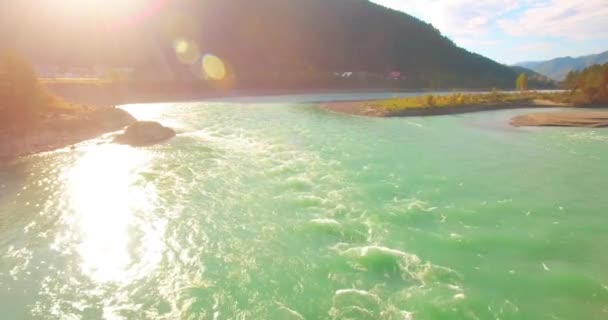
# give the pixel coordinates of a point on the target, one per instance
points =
(107, 95)
(118, 95)
(68, 128)
(371, 109)
(588, 119)
(62, 130)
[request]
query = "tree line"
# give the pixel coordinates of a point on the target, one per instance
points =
(589, 86)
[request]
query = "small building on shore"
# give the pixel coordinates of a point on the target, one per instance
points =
(396, 75)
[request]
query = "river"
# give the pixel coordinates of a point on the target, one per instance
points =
(273, 208)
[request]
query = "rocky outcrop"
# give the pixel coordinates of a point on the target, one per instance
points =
(562, 119)
(62, 130)
(143, 133)
(110, 119)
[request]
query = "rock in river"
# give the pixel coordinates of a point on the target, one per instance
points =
(143, 133)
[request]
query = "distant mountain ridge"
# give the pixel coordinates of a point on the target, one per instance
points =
(264, 42)
(558, 68)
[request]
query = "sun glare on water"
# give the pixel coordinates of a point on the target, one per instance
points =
(114, 245)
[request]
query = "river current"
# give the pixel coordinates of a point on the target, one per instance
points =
(273, 208)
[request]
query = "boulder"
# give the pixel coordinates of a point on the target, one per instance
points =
(143, 133)
(111, 118)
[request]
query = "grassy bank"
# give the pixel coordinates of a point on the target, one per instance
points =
(431, 105)
(467, 100)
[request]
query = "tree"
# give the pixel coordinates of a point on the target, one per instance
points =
(572, 79)
(21, 95)
(522, 82)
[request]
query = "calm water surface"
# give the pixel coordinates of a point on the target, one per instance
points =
(271, 208)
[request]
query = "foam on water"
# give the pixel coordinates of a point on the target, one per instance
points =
(391, 262)
(283, 312)
(590, 136)
(362, 304)
(327, 223)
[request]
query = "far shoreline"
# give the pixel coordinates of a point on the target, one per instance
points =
(576, 116)
(362, 108)
(95, 119)
(104, 96)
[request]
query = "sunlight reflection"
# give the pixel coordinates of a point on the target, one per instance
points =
(113, 243)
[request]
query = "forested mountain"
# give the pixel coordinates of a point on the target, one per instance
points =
(263, 42)
(558, 68)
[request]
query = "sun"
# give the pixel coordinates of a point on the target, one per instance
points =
(109, 11)
(99, 6)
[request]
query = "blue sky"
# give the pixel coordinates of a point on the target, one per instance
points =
(513, 31)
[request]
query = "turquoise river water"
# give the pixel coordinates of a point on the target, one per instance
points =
(273, 208)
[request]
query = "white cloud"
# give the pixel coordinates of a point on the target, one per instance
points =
(537, 46)
(573, 19)
(478, 42)
(456, 18)
(516, 30)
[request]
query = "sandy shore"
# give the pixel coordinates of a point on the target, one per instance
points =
(589, 119)
(61, 131)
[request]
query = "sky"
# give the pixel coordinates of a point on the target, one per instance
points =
(514, 31)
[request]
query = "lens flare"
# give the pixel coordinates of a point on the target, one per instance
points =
(187, 51)
(213, 67)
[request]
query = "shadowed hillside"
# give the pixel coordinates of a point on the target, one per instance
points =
(264, 43)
